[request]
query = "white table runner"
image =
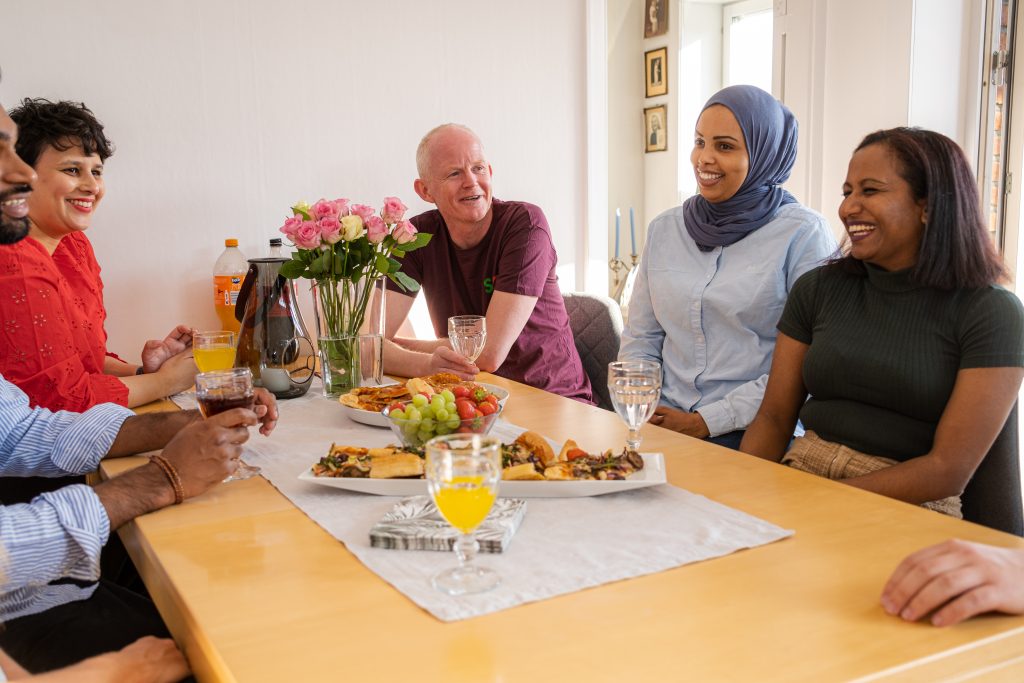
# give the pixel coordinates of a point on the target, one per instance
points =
(564, 545)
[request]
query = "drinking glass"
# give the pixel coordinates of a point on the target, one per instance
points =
(214, 350)
(635, 386)
(468, 334)
(221, 390)
(463, 471)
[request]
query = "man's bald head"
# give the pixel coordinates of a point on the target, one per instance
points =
(424, 148)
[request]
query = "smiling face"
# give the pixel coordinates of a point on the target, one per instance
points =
(882, 217)
(719, 157)
(457, 178)
(16, 178)
(69, 189)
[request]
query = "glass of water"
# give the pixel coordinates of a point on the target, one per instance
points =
(468, 334)
(635, 387)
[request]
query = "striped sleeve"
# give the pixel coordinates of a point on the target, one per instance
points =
(38, 442)
(59, 534)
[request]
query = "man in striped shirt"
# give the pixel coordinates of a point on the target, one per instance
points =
(55, 607)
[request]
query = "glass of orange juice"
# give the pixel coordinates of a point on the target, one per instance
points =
(463, 471)
(214, 350)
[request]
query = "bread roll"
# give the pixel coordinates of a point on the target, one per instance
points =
(539, 446)
(524, 472)
(396, 465)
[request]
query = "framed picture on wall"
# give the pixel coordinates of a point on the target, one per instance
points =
(655, 18)
(656, 72)
(655, 129)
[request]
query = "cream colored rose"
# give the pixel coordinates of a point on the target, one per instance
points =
(351, 227)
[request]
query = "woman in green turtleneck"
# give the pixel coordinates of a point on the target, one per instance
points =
(907, 352)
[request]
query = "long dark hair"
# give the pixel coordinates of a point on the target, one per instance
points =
(956, 251)
(60, 125)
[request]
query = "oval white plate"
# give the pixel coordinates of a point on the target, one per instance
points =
(652, 474)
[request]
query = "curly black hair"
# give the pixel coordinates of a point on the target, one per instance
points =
(61, 125)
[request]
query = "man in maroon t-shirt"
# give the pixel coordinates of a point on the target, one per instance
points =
(487, 257)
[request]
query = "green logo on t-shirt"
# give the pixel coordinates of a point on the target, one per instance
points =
(489, 285)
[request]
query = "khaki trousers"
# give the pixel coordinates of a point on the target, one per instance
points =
(813, 454)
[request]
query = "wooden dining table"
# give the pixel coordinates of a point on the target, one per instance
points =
(253, 590)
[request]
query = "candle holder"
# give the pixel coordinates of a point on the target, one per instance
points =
(616, 264)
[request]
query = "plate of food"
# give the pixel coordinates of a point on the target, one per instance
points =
(364, 404)
(531, 469)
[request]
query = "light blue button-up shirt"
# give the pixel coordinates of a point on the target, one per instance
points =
(60, 533)
(709, 317)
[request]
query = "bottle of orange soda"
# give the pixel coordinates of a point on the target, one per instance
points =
(228, 273)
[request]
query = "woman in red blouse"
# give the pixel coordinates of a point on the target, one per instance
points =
(51, 294)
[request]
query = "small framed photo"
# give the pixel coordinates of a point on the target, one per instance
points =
(655, 129)
(655, 18)
(656, 72)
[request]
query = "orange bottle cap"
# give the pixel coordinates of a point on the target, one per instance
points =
(231, 242)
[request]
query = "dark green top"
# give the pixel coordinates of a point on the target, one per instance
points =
(884, 353)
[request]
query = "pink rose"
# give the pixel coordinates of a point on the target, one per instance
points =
(342, 206)
(324, 209)
(376, 230)
(404, 232)
(363, 211)
(291, 226)
(330, 229)
(307, 236)
(393, 210)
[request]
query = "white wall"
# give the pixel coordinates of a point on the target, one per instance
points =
(225, 113)
(700, 77)
(849, 68)
(626, 177)
(661, 169)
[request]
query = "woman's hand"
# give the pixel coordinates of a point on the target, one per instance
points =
(177, 373)
(959, 579)
(156, 352)
(691, 424)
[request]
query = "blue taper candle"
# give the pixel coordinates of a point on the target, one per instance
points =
(617, 213)
(632, 231)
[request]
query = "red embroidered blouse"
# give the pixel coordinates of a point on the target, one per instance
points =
(54, 342)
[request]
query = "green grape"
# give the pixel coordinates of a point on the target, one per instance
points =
(419, 400)
(424, 436)
(397, 414)
(410, 429)
(441, 415)
(453, 423)
(427, 425)
(437, 402)
(443, 429)
(450, 407)
(448, 396)
(413, 415)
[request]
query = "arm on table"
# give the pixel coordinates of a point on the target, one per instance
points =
(418, 357)
(956, 580)
(203, 454)
(174, 375)
(977, 410)
(147, 660)
(772, 429)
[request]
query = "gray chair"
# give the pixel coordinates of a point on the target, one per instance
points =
(992, 497)
(596, 323)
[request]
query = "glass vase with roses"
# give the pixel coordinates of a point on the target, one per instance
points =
(347, 250)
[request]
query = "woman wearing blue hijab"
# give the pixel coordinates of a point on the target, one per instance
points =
(716, 271)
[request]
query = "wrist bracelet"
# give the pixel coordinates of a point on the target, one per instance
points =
(172, 476)
(140, 370)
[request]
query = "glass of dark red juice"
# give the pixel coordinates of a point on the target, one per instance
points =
(221, 390)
